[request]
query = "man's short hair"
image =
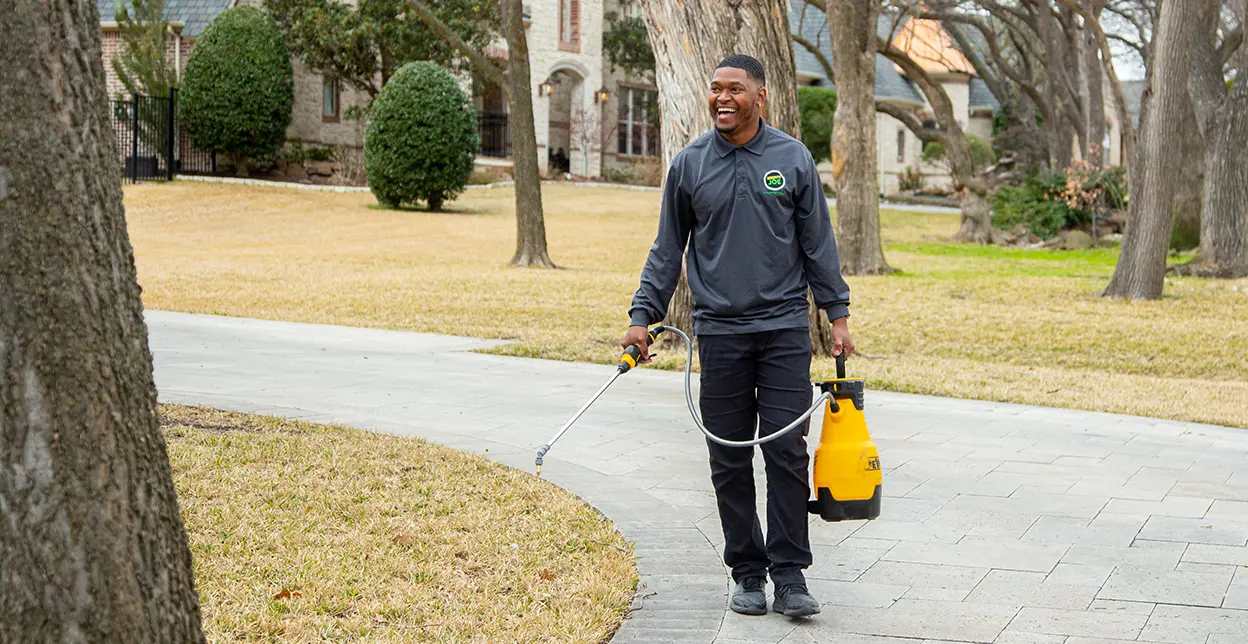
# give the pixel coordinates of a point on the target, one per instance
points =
(750, 64)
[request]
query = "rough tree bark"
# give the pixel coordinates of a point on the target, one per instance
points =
(689, 39)
(1222, 116)
(852, 26)
(972, 191)
(530, 219)
(1189, 185)
(92, 546)
(1140, 272)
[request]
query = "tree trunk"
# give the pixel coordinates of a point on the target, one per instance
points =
(1140, 272)
(854, 165)
(92, 546)
(530, 220)
(689, 40)
(1089, 51)
(1189, 186)
(1222, 116)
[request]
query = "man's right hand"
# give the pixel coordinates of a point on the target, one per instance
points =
(640, 336)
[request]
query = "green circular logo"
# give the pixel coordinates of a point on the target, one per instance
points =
(774, 180)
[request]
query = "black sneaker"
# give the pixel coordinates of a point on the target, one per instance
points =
(749, 597)
(794, 600)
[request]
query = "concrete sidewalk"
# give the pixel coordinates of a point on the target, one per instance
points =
(1001, 523)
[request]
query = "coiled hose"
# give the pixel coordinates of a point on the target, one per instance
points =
(698, 420)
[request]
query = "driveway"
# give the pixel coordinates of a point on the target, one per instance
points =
(1000, 523)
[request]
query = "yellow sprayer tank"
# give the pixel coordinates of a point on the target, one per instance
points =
(847, 475)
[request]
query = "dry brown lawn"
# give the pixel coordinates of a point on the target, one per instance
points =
(305, 533)
(986, 323)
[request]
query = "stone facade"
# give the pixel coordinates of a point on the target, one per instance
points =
(565, 49)
(319, 116)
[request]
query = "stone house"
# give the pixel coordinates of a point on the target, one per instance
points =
(897, 148)
(592, 120)
(317, 117)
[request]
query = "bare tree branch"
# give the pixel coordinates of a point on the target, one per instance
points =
(1137, 47)
(823, 60)
(909, 119)
(478, 59)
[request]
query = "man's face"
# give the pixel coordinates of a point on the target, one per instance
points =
(734, 99)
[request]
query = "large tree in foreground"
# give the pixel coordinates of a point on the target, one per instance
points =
(1140, 272)
(683, 74)
(1222, 114)
(92, 547)
(515, 80)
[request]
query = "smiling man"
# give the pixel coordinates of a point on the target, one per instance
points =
(746, 201)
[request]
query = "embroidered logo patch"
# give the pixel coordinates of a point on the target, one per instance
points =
(774, 182)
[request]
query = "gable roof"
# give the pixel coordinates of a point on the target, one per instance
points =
(811, 24)
(193, 14)
(981, 97)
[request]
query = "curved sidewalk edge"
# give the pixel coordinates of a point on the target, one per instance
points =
(682, 588)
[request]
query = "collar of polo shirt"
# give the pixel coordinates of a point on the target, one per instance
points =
(756, 145)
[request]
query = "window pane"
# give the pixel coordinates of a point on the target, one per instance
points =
(329, 97)
(636, 143)
(622, 135)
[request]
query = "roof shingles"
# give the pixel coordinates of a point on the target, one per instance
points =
(811, 24)
(193, 14)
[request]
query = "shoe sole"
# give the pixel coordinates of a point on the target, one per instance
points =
(796, 612)
(748, 611)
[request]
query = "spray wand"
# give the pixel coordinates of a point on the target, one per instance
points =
(628, 360)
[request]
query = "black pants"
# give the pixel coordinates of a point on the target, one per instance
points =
(759, 381)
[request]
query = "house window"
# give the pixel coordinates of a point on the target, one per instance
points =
(638, 131)
(569, 25)
(901, 145)
(330, 95)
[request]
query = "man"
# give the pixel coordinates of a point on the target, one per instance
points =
(747, 200)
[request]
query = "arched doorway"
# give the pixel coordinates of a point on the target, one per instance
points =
(573, 129)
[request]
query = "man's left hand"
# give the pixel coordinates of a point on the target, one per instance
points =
(841, 339)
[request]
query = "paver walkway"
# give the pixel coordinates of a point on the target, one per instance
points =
(1001, 523)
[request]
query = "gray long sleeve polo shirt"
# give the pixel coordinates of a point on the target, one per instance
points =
(758, 231)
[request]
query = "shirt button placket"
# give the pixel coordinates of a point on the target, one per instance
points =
(740, 176)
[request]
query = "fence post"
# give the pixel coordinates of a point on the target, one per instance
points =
(171, 134)
(134, 137)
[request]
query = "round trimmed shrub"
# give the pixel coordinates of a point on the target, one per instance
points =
(238, 90)
(421, 139)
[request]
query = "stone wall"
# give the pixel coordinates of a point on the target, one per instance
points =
(308, 121)
(580, 62)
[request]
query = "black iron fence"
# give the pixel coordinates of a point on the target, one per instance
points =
(151, 143)
(495, 132)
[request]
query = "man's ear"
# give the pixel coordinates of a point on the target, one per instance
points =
(762, 95)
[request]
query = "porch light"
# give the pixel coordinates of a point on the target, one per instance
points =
(546, 88)
(601, 95)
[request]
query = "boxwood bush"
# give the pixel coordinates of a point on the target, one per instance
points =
(421, 139)
(238, 90)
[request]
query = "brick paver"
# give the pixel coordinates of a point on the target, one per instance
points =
(1001, 523)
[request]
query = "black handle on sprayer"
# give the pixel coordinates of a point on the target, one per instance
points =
(840, 365)
(632, 355)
